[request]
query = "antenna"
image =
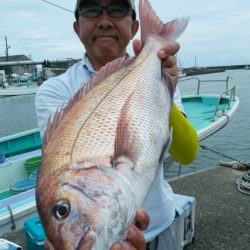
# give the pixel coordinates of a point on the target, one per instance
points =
(57, 6)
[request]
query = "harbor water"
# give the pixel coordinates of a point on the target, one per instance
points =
(17, 114)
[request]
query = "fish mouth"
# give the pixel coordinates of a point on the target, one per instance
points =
(86, 242)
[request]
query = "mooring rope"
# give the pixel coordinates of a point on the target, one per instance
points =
(244, 163)
(243, 183)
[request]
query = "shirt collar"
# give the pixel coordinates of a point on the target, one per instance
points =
(87, 64)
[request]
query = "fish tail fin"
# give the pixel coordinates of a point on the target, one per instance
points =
(152, 25)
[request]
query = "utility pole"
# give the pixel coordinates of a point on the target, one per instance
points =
(7, 49)
(7, 70)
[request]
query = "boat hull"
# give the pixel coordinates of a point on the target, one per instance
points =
(14, 91)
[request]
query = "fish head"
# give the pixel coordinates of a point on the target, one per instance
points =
(84, 209)
(69, 228)
(65, 214)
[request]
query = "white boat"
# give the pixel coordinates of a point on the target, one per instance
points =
(18, 149)
(18, 89)
(207, 113)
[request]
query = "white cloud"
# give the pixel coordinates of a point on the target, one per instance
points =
(217, 34)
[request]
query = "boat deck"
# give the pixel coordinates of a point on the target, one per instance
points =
(222, 213)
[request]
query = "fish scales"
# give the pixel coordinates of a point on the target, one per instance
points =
(98, 134)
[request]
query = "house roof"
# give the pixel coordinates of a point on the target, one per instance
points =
(15, 58)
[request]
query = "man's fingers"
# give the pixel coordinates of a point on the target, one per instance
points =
(141, 219)
(171, 49)
(169, 65)
(136, 238)
(48, 245)
(137, 45)
(125, 245)
(169, 62)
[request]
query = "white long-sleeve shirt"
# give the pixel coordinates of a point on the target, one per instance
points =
(56, 92)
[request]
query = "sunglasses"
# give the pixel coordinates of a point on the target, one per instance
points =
(115, 11)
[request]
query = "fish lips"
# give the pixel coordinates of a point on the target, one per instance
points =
(87, 241)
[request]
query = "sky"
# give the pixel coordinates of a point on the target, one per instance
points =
(218, 32)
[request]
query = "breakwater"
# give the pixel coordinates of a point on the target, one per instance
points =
(208, 70)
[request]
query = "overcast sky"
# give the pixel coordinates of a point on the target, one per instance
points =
(218, 32)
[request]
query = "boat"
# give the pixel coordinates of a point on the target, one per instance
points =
(18, 89)
(15, 150)
(208, 113)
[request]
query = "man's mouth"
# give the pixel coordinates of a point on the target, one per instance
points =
(105, 36)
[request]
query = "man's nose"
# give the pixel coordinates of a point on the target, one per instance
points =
(105, 20)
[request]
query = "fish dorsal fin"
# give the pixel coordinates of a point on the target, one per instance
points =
(102, 74)
(152, 25)
(109, 69)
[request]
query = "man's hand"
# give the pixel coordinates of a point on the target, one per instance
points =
(169, 63)
(135, 239)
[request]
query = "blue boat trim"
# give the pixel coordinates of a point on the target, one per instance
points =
(16, 199)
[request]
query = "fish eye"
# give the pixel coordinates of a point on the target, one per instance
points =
(61, 209)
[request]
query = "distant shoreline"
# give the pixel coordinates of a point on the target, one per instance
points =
(207, 70)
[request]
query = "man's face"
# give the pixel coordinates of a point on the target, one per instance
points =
(105, 38)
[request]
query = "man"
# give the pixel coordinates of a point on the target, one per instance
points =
(105, 28)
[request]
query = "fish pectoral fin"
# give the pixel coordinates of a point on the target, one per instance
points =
(126, 136)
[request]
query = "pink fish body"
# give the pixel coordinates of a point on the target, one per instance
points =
(103, 152)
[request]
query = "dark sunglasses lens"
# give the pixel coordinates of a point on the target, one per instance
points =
(117, 11)
(91, 11)
(96, 11)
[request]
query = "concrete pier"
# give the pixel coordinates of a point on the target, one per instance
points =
(222, 212)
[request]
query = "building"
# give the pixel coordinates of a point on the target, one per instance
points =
(20, 69)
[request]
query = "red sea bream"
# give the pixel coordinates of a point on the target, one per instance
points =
(102, 152)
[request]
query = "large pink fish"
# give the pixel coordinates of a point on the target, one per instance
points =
(103, 151)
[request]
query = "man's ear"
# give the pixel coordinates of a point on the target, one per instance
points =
(76, 27)
(134, 28)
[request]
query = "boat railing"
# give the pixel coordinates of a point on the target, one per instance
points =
(199, 81)
(230, 93)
